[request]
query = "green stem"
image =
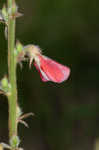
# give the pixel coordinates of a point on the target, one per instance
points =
(12, 99)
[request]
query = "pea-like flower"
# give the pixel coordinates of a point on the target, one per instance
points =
(49, 69)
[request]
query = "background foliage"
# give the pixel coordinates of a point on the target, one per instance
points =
(67, 114)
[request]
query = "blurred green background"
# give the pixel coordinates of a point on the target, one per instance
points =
(67, 114)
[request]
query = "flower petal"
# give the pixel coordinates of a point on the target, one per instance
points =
(51, 70)
(42, 74)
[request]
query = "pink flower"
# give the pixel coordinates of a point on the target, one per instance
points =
(49, 69)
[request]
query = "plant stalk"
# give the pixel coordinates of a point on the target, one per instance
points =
(12, 99)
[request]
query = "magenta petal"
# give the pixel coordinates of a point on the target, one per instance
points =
(44, 79)
(51, 70)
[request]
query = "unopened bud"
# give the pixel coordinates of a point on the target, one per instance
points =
(5, 14)
(19, 47)
(4, 82)
(14, 141)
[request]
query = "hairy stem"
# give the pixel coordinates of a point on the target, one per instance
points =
(12, 99)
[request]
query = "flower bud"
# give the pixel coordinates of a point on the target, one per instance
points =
(5, 86)
(4, 82)
(19, 47)
(14, 141)
(5, 14)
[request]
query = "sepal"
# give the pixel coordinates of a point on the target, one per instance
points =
(32, 51)
(13, 11)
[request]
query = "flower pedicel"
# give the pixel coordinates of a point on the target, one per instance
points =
(49, 69)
